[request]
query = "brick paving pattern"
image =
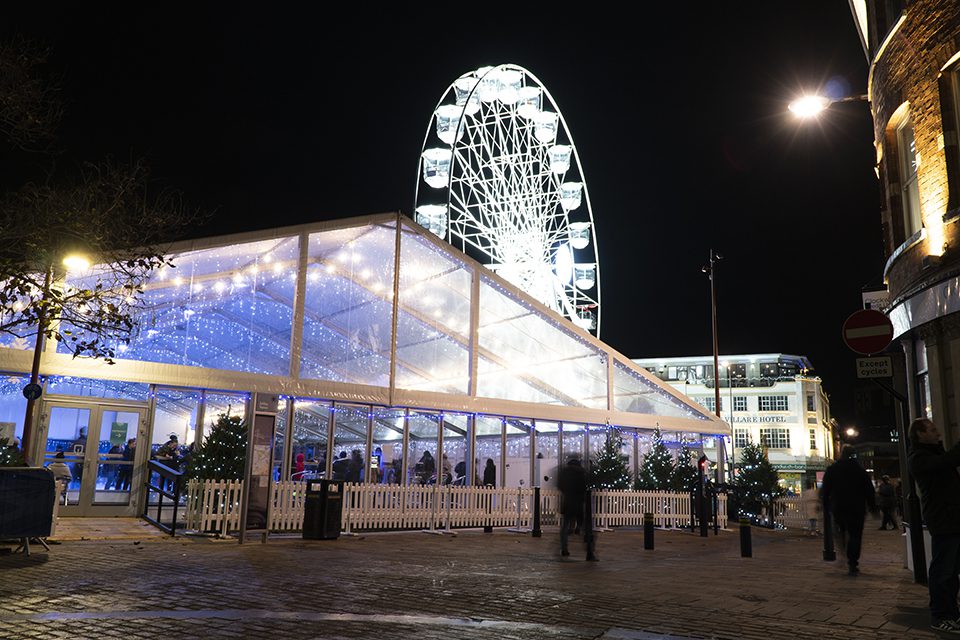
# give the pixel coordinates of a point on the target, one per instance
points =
(471, 586)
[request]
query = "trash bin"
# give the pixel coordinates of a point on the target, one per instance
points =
(322, 508)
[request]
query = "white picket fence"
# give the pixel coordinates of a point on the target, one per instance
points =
(214, 506)
(789, 513)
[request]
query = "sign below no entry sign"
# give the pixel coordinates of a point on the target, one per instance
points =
(867, 331)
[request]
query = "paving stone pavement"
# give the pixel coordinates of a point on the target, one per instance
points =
(473, 586)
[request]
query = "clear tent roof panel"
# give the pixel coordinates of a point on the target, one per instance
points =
(234, 307)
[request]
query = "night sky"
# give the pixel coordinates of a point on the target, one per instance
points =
(273, 118)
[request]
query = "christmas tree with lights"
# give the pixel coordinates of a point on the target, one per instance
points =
(685, 472)
(10, 456)
(657, 467)
(609, 469)
(223, 453)
(757, 483)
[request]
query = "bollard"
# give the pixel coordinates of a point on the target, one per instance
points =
(648, 531)
(588, 537)
(746, 544)
(829, 553)
(536, 533)
(488, 528)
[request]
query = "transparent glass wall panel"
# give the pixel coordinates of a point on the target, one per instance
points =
(489, 449)
(217, 403)
(517, 464)
(88, 387)
(573, 438)
(596, 438)
(311, 432)
(424, 430)
(221, 308)
(67, 438)
(280, 443)
(175, 415)
(348, 306)
(387, 445)
(456, 440)
(350, 442)
(433, 324)
(113, 472)
(634, 393)
(529, 357)
(547, 443)
(13, 406)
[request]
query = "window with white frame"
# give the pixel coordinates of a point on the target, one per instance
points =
(811, 402)
(741, 437)
(775, 437)
(739, 403)
(909, 189)
(773, 403)
(813, 439)
(709, 402)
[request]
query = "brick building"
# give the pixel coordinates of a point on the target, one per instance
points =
(913, 48)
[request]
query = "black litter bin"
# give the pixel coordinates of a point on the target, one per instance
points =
(322, 508)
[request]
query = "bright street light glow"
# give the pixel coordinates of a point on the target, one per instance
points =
(76, 262)
(851, 431)
(809, 106)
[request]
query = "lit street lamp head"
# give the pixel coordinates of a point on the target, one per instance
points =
(76, 262)
(809, 106)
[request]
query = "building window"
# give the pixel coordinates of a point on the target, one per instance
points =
(741, 437)
(811, 420)
(739, 403)
(909, 189)
(709, 402)
(775, 438)
(811, 402)
(813, 439)
(773, 403)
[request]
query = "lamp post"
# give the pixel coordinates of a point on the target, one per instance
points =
(711, 270)
(33, 389)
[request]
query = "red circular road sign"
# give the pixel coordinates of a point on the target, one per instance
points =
(867, 331)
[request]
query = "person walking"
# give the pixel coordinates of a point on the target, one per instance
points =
(490, 474)
(935, 471)
(887, 500)
(846, 493)
(572, 484)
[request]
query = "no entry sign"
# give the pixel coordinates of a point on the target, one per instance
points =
(867, 331)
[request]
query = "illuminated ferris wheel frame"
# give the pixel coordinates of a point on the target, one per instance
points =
(504, 184)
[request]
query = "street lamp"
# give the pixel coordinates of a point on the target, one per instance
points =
(810, 106)
(32, 391)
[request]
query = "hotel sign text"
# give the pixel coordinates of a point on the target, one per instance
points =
(758, 419)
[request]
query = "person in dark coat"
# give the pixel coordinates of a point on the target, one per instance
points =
(572, 484)
(340, 466)
(490, 474)
(887, 501)
(847, 492)
(355, 469)
(935, 471)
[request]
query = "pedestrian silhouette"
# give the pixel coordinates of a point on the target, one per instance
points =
(887, 500)
(847, 492)
(572, 483)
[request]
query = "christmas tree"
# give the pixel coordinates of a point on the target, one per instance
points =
(685, 472)
(222, 455)
(10, 456)
(757, 481)
(657, 467)
(609, 470)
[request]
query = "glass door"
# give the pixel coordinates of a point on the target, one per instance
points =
(92, 450)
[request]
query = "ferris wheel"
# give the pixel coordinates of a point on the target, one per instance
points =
(500, 178)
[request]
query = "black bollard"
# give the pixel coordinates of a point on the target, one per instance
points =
(488, 528)
(588, 526)
(746, 544)
(829, 553)
(536, 533)
(648, 531)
